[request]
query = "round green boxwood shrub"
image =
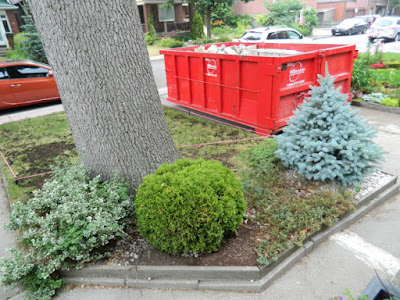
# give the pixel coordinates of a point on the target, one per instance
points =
(189, 206)
(171, 43)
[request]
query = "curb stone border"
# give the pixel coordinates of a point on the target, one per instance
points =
(229, 278)
(375, 106)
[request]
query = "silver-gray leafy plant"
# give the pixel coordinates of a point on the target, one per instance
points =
(62, 226)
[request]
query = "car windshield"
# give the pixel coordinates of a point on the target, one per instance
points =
(383, 22)
(347, 22)
(252, 36)
(365, 19)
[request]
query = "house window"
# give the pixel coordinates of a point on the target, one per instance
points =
(6, 24)
(166, 13)
(187, 13)
(141, 13)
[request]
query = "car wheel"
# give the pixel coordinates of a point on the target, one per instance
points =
(371, 39)
(364, 30)
(350, 32)
(397, 38)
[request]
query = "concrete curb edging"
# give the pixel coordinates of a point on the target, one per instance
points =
(157, 57)
(250, 279)
(375, 106)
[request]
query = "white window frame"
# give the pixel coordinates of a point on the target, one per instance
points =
(163, 11)
(4, 13)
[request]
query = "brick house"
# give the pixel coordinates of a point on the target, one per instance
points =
(256, 7)
(166, 19)
(9, 25)
(343, 9)
(328, 10)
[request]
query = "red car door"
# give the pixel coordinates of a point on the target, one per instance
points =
(31, 84)
(6, 96)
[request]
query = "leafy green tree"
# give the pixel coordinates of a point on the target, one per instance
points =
(283, 12)
(325, 140)
(263, 19)
(151, 35)
(310, 21)
(197, 31)
(32, 44)
(392, 6)
(224, 13)
(206, 7)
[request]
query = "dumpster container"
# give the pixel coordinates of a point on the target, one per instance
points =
(257, 91)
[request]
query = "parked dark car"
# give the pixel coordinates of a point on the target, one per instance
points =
(26, 82)
(350, 26)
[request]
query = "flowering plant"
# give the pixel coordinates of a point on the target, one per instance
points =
(378, 65)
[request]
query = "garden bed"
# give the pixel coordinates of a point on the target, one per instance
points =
(376, 79)
(194, 272)
(286, 224)
(236, 250)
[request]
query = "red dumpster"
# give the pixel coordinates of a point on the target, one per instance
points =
(256, 91)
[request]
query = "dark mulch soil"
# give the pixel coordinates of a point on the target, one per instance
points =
(238, 250)
(39, 160)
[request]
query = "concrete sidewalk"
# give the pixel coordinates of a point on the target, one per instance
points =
(348, 260)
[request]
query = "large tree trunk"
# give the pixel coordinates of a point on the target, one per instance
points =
(104, 75)
(208, 21)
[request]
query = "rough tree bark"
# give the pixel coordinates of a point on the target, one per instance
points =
(104, 75)
(207, 19)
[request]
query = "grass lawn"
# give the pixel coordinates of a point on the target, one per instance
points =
(391, 56)
(391, 76)
(285, 207)
(32, 145)
(154, 50)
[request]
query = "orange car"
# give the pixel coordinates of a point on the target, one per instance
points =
(26, 82)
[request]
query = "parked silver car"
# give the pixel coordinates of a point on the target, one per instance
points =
(272, 35)
(386, 28)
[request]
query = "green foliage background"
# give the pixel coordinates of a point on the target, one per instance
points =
(284, 13)
(32, 43)
(197, 30)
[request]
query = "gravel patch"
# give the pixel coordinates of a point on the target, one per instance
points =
(370, 183)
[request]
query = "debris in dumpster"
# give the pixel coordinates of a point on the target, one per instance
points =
(245, 50)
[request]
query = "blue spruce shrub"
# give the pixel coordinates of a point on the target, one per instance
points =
(189, 206)
(326, 141)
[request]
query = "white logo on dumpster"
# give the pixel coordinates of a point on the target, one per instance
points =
(296, 69)
(211, 67)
